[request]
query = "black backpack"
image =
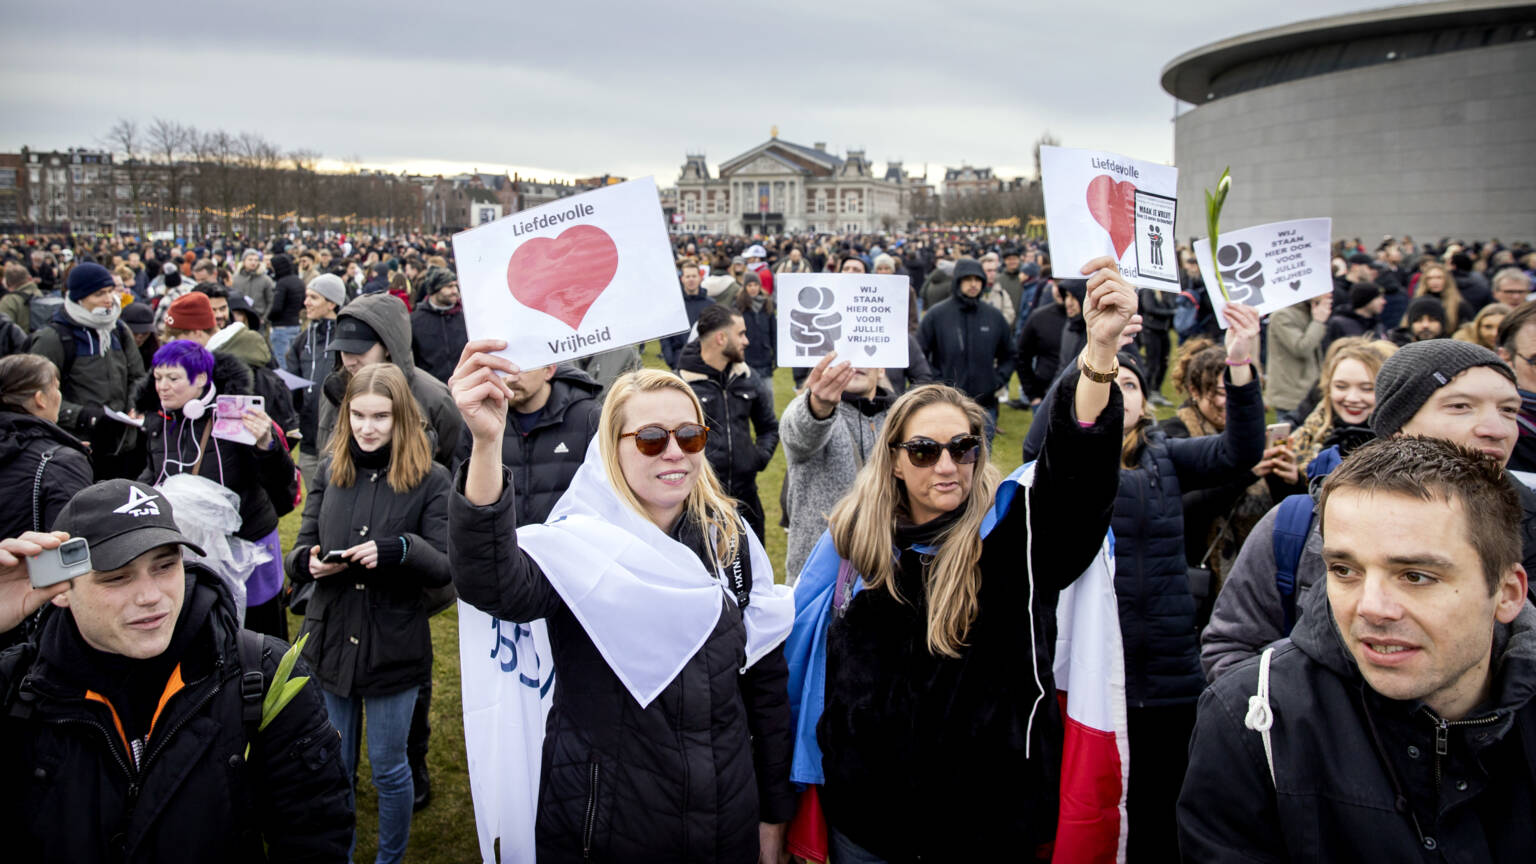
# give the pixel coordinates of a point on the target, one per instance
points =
(41, 308)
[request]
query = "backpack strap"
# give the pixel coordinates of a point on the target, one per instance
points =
(15, 662)
(67, 343)
(37, 487)
(1261, 717)
(252, 681)
(1293, 522)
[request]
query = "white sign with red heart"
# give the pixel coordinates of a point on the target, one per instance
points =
(571, 278)
(863, 317)
(1099, 203)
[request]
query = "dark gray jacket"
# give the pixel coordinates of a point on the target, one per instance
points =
(93, 377)
(1358, 776)
(307, 358)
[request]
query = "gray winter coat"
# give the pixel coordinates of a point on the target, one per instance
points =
(388, 317)
(258, 286)
(823, 457)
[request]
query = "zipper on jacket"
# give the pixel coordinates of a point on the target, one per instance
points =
(589, 824)
(1443, 738)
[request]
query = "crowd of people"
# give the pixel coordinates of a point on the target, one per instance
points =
(1320, 553)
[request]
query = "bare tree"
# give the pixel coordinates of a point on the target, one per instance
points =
(124, 139)
(169, 142)
(1048, 140)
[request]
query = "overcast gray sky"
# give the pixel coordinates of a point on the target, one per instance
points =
(624, 88)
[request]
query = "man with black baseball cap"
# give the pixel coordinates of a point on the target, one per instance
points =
(130, 712)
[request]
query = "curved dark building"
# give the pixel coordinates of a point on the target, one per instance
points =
(1416, 120)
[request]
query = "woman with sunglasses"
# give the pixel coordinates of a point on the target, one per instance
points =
(668, 738)
(938, 628)
(1158, 624)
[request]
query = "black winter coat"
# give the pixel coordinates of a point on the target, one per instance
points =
(68, 793)
(30, 496)
(689, 777)
(762, 335)
(1158, 628)
(287, 293)
(438, 337)
(969, 344)
(264, 479)
(368, 628)
(913, 745)
(1358, 776)
(1039, 353)
(737, 404)
(544, 461)
(308, 359)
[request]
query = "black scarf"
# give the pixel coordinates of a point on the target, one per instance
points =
(926, 534)
(378, 460)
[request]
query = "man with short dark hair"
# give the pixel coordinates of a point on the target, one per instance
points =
(738, 407)
(253, 282)
(20, 290)
(438, 331)
(1360, 318)
(132, 717)
(1397, 724)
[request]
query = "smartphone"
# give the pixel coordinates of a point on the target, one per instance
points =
(1274, 433)
(72, 558)
(335, 556)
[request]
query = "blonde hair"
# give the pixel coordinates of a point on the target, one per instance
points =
(1449, 296)
(707, 503)
(863, 524)
(410, 456)
(1472, 330)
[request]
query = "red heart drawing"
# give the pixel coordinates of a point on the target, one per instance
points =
(1113, 206)
(563, 276)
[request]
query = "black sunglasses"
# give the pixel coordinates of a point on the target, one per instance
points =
(651, 440)
(924, 452)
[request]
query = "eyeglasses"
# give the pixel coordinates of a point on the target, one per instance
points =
(651, 440)
(924, 452)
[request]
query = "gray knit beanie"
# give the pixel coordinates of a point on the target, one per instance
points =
(1416, 371)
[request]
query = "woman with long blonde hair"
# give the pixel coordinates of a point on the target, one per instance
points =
(1435, 281)
(1348, 386)
(668, 736)
(932, 623)
(374, 537)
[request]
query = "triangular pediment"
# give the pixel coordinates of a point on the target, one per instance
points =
(781, 157)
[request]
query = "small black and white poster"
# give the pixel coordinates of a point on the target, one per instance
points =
(863, 317)
(1268, 267)
(1156, 257)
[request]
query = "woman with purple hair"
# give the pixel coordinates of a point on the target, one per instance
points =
(178, 407)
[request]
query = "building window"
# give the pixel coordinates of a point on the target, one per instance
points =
(78, 174)
(8, 178)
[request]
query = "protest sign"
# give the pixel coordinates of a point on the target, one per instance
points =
(861, 316)
(575, 277)
(1268, 267)
(1100, 203)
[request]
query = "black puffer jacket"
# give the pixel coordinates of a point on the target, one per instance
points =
(687, 778)
(287, 293)
(737, 404)
(264, 479)
(24, 440)
(968, 342)
(544, 460)
(308, 359)
(1158, 628)
(913, 745)
(369, 629)
(67, 793)
(438, 337)
(1358, 776)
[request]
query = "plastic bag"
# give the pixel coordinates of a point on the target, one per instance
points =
(209, 515)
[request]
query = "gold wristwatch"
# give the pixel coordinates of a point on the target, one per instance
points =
(1095, 375)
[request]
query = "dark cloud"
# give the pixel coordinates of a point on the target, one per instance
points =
(628, 88)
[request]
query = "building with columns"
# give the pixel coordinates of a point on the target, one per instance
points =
(778, 187)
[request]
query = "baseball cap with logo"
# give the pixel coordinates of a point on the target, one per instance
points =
(121, 520)
(353, 336)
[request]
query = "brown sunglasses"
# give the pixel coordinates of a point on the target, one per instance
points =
(651, 440)
(925, 452)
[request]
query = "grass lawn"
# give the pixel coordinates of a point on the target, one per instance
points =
(445, 831)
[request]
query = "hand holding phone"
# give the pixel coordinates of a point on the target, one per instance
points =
(1274, 433)
(335, 556)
